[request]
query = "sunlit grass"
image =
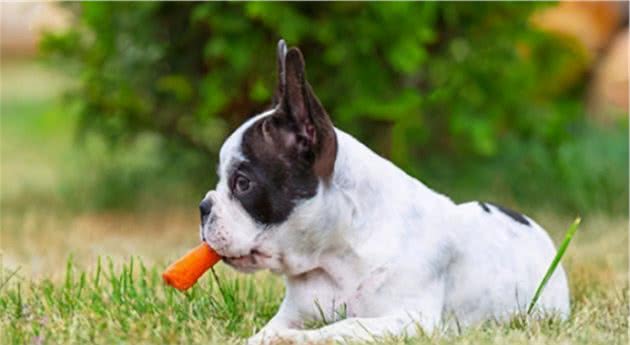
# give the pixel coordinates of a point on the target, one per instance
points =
(128, 303)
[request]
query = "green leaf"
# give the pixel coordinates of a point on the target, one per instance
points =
(554, 264)
(177, 85)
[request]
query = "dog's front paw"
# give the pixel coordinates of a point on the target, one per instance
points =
(257, 339)
(260, 338)
(283, 337)
(265, 337)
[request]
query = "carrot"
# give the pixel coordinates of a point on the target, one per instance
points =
(184, 273)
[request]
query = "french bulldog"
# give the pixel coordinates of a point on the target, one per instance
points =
(359, 242)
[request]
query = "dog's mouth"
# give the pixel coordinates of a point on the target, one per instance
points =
(248, 262)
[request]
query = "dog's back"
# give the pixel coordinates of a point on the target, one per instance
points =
(483, 284)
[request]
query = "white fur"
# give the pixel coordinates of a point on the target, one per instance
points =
(390, 253)
(231, 149)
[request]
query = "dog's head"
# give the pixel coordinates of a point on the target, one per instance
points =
(272, 172)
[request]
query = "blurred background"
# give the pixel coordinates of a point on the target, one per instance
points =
(112, 114)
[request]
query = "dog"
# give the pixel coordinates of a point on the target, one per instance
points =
(359, 242)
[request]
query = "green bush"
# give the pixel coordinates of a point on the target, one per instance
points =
(416, 81)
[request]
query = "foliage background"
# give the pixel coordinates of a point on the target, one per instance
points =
(468, 97)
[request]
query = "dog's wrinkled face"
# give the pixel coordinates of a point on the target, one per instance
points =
(270, 170)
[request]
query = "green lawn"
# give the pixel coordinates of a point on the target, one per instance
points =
(92, 275)
(105, 301)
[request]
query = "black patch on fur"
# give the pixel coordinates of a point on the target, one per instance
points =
(484, 206)
(281, 176)
(289, 152)
(513, 214)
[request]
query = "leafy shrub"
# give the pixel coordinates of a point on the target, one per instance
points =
(587, 173)
(416, 81)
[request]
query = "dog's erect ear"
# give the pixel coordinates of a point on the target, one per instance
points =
(297, 105)
(280, 58)
(296, 100)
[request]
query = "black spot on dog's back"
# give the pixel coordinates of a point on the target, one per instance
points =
(513, 214)
(484, 206)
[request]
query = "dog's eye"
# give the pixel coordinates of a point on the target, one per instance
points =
(242, 184)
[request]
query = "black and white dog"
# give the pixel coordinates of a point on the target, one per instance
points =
(350, 231)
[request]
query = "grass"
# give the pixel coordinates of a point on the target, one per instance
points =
(71, 274)
(130, 304)
(111, 300)
(554, 263)
(110, 290)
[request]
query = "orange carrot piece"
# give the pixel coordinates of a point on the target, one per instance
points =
(184, 273)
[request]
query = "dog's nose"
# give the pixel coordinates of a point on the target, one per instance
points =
(205, 207)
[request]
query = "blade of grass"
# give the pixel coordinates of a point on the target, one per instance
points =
(9, 277)
(554, 264)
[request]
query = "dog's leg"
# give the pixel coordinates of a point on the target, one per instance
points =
(365, 329)
(282, 322)
(362, 329)
(276, 326)
(422, 315)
